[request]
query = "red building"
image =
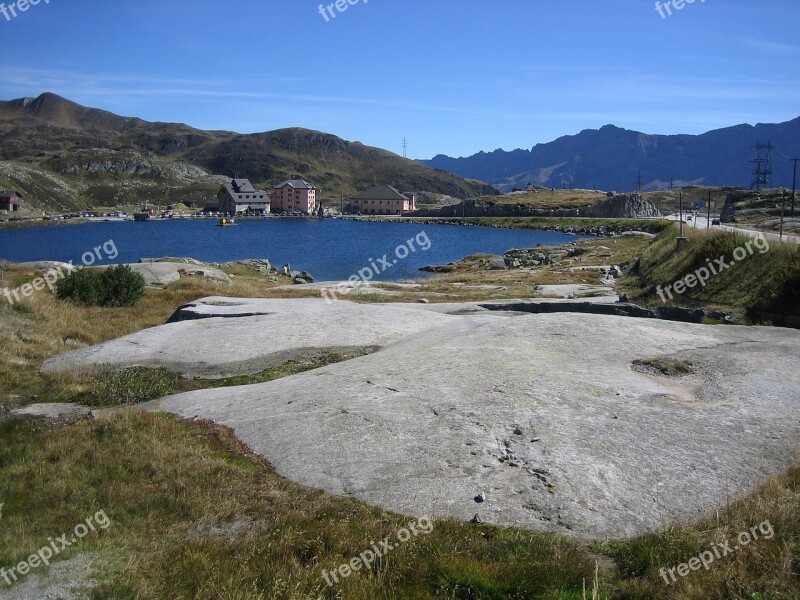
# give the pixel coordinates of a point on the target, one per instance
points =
(10, 201)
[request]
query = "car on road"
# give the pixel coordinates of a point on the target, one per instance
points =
(715, 222)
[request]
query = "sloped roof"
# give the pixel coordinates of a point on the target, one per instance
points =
(243, 186)
(295, 183)
(381, 191)
(238, 195)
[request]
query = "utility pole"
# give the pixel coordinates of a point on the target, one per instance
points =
(783, 210)
(794, 182)
(708, 220)
(681, 241)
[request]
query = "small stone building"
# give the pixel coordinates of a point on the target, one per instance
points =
(10, 201)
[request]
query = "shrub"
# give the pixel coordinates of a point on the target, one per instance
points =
(81, 286)
(115, 286)
(122, 286)
(114, 387)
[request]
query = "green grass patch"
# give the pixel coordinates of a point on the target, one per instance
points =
(116, 387)
(120, 387)
(763, 278)
(766, 568)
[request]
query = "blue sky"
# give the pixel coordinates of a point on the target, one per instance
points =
(452, 76)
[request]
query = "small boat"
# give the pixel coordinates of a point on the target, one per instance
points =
(225, 221)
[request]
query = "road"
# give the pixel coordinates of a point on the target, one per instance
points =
(701, 222)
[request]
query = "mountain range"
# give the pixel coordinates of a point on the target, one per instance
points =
(61, 155)
(612, 158)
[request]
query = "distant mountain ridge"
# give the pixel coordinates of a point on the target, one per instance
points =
(60, 154)
(59, 111)
(611, 158)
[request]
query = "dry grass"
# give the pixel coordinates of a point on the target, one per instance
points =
(549, 198)
(41, 326)
(195, 515)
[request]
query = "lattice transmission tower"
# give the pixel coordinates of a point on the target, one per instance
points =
(762, 166)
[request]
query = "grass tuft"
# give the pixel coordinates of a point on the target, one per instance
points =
(669, 367)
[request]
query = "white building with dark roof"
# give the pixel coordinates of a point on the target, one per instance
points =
(383, 199)
(240, 197)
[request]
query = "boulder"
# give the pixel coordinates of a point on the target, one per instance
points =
(301, 277)
(222, 337)
(483, 407)
(498, 264)
(46, 265)
(163, 273)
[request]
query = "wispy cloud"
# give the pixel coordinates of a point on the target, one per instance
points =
(772, 47)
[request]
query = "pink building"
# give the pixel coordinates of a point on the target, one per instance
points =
(295, 194)
(383, 200)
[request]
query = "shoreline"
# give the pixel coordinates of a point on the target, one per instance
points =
(569, 225)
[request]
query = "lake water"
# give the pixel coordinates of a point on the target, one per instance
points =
(330, 249)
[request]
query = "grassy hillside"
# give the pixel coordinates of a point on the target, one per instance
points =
(766, 279)
(62, 156)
